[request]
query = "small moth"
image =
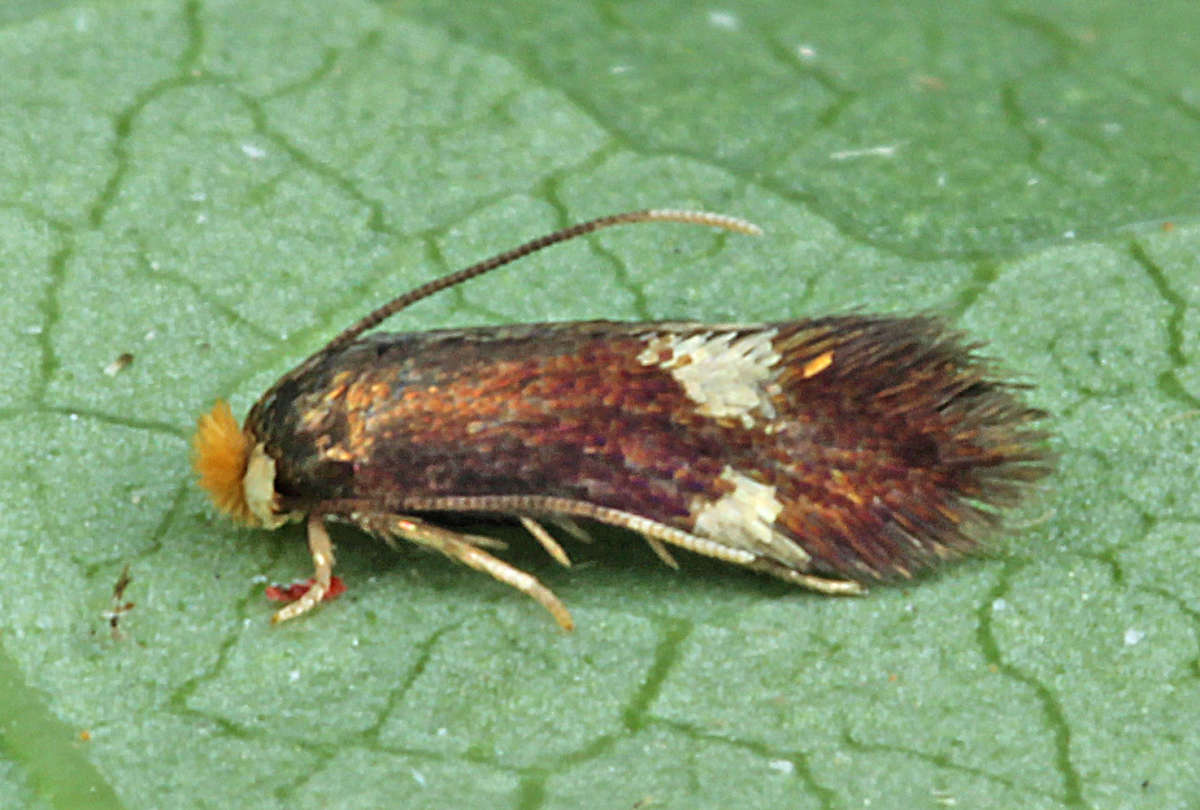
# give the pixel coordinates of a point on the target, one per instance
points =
(827, 452)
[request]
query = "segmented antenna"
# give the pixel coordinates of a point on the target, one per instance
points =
(425, 290)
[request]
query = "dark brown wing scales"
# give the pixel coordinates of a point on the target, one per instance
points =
(552, 410)
(896, 452)
(874, 445)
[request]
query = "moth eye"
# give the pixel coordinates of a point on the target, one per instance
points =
(259, 487)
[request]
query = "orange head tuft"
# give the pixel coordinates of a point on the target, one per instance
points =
(221, 452)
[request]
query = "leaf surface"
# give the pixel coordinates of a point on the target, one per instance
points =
(216, 188)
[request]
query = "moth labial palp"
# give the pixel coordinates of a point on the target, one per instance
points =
(828, 452)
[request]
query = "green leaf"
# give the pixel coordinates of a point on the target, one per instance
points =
(216, 188)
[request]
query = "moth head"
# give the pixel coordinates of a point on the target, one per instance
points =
(235, 470)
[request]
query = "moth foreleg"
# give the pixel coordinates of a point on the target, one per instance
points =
(465, 550)
(321, 548)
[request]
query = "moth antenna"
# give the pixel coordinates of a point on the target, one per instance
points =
(533, 246)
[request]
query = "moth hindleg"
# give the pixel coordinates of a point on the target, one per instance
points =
(464, 549)
(825, 585)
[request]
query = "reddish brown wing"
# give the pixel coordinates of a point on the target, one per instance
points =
(875, 444)
(906, 446)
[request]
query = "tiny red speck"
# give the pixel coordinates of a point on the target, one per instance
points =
(292, 592)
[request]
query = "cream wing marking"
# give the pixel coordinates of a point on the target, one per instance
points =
(744, 518)
(727, 376)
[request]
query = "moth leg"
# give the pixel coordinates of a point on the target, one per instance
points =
(383, 532)
(571, 527)
(321, 548)
(659, 534)
(549, 543)
(661, 551)
(461, 548)
(482, 541)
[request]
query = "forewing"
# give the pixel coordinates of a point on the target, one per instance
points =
(857, 446)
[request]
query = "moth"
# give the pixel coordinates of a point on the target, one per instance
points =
(829, 452)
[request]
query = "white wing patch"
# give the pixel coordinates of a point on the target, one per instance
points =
(745, 519)
(725, 375)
